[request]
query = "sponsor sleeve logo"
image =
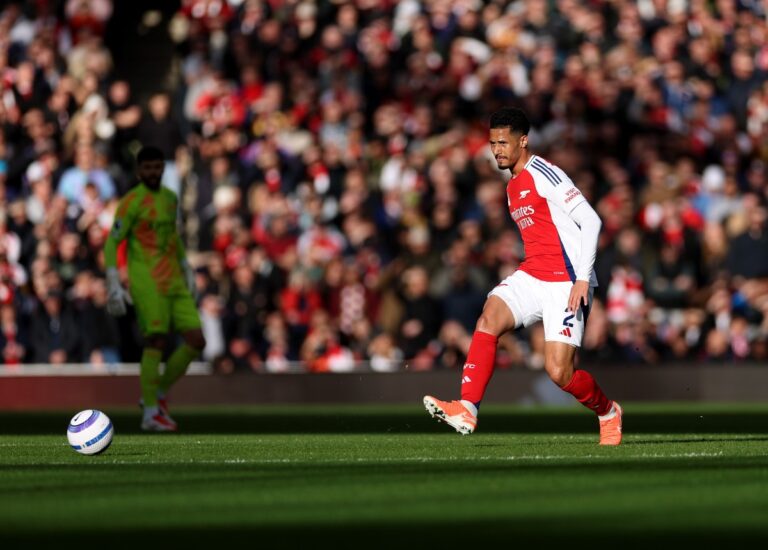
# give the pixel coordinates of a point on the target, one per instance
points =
(571, 194)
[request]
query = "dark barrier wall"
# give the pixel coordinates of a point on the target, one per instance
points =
(742, 383)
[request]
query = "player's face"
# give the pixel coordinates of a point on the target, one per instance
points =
(506, 146)
(151, 172)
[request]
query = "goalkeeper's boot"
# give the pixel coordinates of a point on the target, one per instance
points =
(162, 407)
(157, 423)
(453, 413)
(610, 426)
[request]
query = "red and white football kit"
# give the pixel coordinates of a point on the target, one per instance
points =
(559, 230)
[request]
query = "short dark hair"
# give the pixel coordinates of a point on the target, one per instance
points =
(513, 118)
(149, 153)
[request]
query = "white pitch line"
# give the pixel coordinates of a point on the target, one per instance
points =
(522, 458)
(12, 445)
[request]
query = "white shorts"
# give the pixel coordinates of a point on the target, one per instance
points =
(532, 300)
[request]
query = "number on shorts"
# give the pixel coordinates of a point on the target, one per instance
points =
(566, 321)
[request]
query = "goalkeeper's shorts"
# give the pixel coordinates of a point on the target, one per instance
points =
(157, 314)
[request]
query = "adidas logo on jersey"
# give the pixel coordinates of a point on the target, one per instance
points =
(566, 332)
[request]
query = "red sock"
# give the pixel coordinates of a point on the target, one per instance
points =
(479, 367)
(584, 388)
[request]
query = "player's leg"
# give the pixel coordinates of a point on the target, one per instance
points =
(153, 317)
(496, 319)
(187, 320)
(152, 419)
(558, 362)
(563, 332)
(176, 366)
(149, 377)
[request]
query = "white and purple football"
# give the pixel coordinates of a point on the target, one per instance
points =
(90, 432)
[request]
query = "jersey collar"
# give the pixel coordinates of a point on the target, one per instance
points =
(527, 164)
(530, 160)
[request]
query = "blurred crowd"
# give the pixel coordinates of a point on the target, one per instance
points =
(338, 198)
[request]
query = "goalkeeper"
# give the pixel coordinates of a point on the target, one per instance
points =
(161, 285)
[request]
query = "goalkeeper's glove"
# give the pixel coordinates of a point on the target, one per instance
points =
(117, 296)
(189, 278)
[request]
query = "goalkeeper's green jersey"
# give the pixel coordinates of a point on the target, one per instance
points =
(147, 219)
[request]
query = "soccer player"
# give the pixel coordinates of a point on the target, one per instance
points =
(554, 283)
(161, 285)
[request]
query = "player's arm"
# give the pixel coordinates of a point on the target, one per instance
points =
(117, 296)
(589, 222)
(557, 187)
(121, 227)
(590, 225)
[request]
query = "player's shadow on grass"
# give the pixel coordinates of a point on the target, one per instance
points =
(391, 534)
(343, 471)
(713, 439)
(317, 420)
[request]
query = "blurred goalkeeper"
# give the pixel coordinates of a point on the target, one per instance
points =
(161, 285)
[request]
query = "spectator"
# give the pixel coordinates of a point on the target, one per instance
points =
(748, 252)
(421, 318)
(298, 302)
(460, 285)
(55, 333)
(158, 128)
(125, 115)
(13, 339)
(385, 355)
(211, 311)
(84, 182)
(100, 333)
(40, 192)
(671, 278)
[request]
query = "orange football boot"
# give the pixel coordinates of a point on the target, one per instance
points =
(453, 413)
(610, 430)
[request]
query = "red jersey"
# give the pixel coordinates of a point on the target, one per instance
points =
(540, 200)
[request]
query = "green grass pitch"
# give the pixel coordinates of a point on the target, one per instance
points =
(379, 476)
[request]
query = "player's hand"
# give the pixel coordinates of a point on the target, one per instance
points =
(579, 295)
(117, 296)
(189, 278)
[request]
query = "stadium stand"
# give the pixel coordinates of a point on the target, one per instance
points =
(338, 198)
